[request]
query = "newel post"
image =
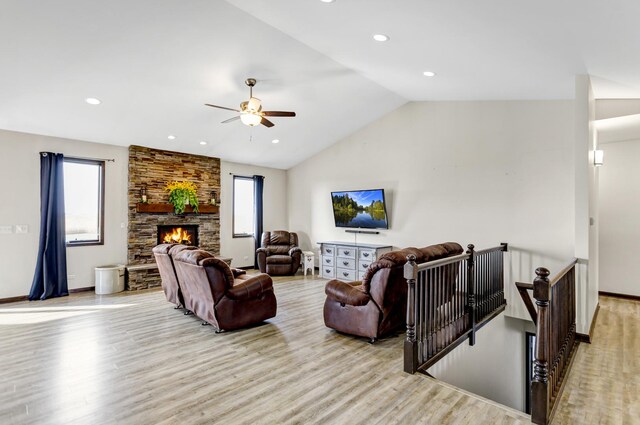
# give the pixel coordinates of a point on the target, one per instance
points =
(471, 293)
(540, 382)
(410, 343)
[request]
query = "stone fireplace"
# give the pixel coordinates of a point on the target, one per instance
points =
(153, 169)
(186, 234)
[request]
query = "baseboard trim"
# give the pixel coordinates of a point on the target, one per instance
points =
(589, 337)
(26, 297)
(14, 299)
(86, 289)
(623, 296)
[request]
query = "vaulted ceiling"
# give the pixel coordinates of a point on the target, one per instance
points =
(154, 63)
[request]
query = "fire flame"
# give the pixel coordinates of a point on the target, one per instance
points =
(177, 235)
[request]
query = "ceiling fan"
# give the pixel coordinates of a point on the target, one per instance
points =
(251, 112)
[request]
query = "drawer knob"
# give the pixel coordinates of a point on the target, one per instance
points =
(327, 271)
(346, 252)
(365, 254)
(328, 251)
(327, 261)
(345, 274)
(346, 263)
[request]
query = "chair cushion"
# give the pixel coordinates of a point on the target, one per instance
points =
(279, 237)
(278, 249)
(279, 259)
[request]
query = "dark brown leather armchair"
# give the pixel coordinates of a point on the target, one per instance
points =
(223, 297)
(377, 305)
(279, 253)
(164, 254)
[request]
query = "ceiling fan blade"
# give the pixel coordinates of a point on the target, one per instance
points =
(230, 120)
(266, 122)
(222, 107)
(278, 114)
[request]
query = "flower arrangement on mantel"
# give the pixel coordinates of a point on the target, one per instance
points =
(182, 193)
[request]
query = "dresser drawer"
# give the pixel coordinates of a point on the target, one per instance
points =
(328, 272)
(367, 254)
(328, 250)
(346, 252)
(346, 263)
(363, 265)
(345, 274)
(327, 261)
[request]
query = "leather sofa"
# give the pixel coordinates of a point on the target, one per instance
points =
(279, 253)
(223, 297)
(164, 254)
(377, 305)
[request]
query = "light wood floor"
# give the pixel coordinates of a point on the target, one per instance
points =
(132, 359)
(604, 383)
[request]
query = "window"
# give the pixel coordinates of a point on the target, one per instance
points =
(84, 201)
(243, 207)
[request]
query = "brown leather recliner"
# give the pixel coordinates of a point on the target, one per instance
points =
(223, 297)
(377, 305)
(164, 254)
(279, 253)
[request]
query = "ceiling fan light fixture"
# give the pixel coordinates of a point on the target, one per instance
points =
(250, 119)
(254, 105)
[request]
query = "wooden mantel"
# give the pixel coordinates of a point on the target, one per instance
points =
(168, 208)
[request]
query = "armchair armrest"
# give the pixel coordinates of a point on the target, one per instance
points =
(294, 250)
(251, 288)
(347, 293)
(262, 250)
(238, 272)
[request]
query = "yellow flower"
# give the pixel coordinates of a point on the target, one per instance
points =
(189, 186)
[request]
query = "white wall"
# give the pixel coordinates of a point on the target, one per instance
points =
(619, 198)
(501, 350)
(20, 193)
(471, 172)
(275, 209)
(586, 203)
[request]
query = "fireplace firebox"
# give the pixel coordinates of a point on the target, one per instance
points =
(186, 234)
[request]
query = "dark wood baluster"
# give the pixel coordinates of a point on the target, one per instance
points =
(471, 295)
(421, 321)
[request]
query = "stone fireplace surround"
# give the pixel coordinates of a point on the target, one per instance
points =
(156, 168)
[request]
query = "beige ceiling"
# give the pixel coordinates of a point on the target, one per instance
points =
(155, 63)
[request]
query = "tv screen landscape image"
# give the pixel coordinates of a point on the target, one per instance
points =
(364, 209)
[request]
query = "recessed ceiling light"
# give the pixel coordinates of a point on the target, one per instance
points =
(171, 137)
(92, 101)
(327, 1)
(275, 141)
(203, 143)
(380, 37)
(429, 74)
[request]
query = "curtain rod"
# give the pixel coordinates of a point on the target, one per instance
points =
(85, 158)
(244, 175)
(93, 159)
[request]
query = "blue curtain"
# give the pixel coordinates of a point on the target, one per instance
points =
(258, 227)
(50, 277)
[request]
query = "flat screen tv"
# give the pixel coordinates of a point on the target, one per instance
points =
(364, 209)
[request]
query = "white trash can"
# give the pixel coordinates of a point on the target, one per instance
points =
(109, 279)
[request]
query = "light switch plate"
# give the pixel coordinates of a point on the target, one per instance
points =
(22, 228)
(5, 230)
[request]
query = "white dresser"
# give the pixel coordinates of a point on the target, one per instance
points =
(348, 261)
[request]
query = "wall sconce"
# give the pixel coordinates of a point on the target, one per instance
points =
(143, 193)
(214, 196)
(598, 158)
